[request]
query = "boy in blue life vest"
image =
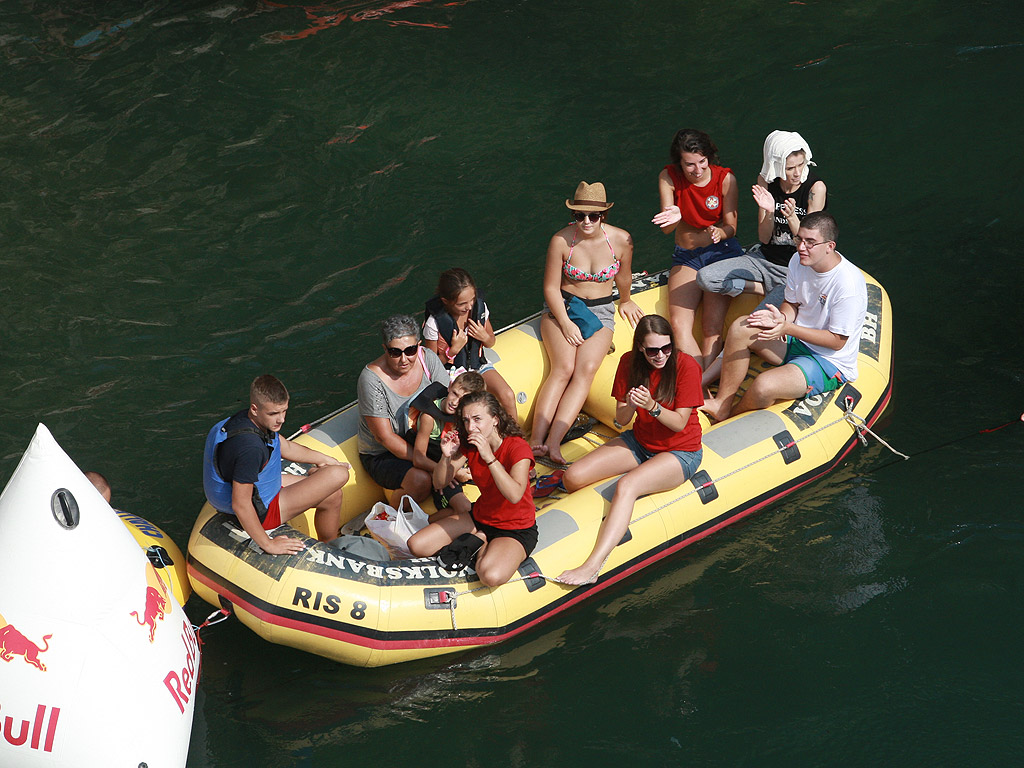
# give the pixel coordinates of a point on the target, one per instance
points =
(437, 416)
(242, 472)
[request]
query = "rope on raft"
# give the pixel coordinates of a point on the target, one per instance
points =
(452, 597)
(855, 421)
(223, 613)
(858, 424)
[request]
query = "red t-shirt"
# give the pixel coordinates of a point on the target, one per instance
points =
(700, 206)
(492, 508)
(651, 433)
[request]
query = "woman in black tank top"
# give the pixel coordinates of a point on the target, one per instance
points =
(784, 200)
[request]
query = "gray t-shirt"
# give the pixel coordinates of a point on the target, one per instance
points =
(377, 399)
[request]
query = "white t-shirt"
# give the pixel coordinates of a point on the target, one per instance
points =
(836, 300)
(430, 327)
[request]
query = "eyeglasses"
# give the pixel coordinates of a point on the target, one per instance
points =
(396, 353)
(655, 351)
(590, 215)
(808, 244)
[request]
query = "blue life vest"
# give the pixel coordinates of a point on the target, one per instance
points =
(218, 491)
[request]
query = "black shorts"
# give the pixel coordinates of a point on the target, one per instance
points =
(442, 498)
(386, 469)
(525, 536)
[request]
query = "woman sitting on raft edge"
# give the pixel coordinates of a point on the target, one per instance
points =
(660, 385)
(579, 315)
(490, 442)
(699, 203)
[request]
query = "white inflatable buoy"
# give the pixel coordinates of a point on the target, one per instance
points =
(98, 661)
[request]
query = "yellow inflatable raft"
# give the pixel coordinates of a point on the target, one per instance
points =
(370, 613)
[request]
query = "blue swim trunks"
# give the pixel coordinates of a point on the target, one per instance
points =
(819, 374)
(695, 258)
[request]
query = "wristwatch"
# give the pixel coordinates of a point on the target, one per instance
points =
(655, 411)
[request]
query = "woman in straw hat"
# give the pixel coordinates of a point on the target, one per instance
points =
(583, 260)
(698, 203)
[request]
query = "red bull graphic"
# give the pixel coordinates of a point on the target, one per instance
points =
(181, 685)
(156, 602)
(14, 643)
(37, 739)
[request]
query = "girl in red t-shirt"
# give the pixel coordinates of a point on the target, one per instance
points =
(660, 386)
(490, 442)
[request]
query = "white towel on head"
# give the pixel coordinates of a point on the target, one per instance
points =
(777, 147)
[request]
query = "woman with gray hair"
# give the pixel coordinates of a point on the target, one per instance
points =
(386, 388)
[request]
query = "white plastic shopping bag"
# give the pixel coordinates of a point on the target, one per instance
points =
(393, 527)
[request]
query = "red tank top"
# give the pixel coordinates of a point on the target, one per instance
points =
(701, 206)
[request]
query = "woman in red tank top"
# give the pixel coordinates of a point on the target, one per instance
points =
(699, 202)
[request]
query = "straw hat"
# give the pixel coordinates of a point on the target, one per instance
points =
(589, 197)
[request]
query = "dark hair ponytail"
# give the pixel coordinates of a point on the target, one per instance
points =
(452, 282)
(691, 140)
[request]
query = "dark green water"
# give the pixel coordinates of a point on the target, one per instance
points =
(195, 193)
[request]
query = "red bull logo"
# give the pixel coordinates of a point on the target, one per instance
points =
(14, 643)
(181, 685)
(156, 602)
(156, 605)
(32, 732)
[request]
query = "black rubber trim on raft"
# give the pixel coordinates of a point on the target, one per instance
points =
(478, 636)
(706, 490)
(787, 447)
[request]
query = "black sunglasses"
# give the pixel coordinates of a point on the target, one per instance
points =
(592, 215)
(396, 353)
(652, 351)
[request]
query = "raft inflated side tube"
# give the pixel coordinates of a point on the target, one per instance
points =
(98, 662)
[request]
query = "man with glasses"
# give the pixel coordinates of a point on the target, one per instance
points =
(813, 337)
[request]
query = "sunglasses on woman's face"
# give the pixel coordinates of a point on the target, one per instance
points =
(592, 216)
(396, 353)
(654, 351)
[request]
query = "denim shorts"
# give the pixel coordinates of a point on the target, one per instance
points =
(696, 258)
(819, 374)
(688, 460)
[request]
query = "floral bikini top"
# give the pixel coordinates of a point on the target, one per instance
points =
(575, 273)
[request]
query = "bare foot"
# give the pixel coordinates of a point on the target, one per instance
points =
(581, 575)
(718, 410)
(539, 450)
(556, 456)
